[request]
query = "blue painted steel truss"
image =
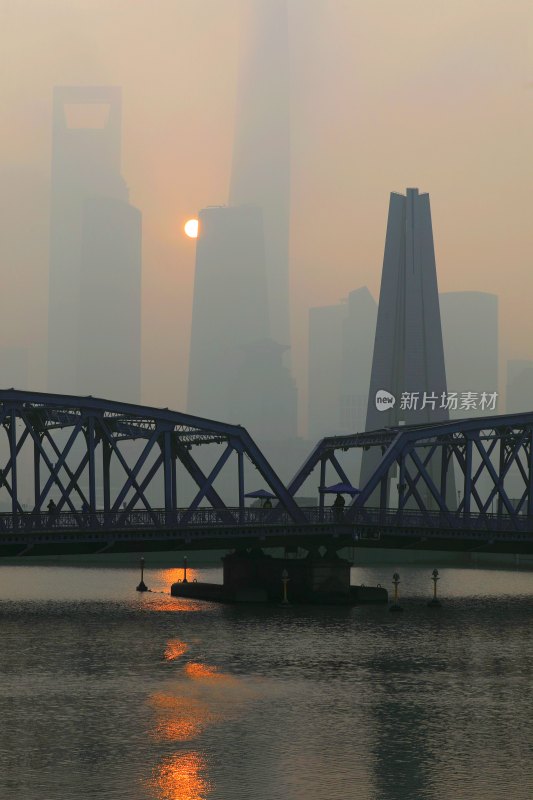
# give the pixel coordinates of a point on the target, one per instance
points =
(491, 459)
(116, 467)
(91, 456)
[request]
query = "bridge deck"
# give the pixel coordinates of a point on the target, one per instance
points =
(208, 528)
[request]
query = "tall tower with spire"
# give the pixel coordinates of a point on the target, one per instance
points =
(408, 380)
(261, 156)
(240, 328)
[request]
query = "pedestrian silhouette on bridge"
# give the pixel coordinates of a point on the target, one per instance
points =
(52, 510)
(338, 506)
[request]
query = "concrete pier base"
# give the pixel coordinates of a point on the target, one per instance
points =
(251, 576)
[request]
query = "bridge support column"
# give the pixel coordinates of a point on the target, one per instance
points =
(13, 454)
(166, 447)
(530, 477)
(106, 463)
(36, 477)
(92, 469)
(240, 468)
(321, 488)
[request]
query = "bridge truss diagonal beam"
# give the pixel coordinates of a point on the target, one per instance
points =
(91, 455)
(491, 457)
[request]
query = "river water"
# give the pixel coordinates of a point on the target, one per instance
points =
(109, 694)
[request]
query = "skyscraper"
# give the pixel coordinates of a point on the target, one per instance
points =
(358, 332)
(109, 341)
(230, 307)
(94, 251)
(519, 397)
(324, 370)
(261, 155)
(240, 328)
(408, 382)
(408, 354)
(470, 338)
(341, 338)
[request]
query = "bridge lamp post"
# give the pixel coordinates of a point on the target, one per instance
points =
(435, 602)
(142, 587)
(396, 606)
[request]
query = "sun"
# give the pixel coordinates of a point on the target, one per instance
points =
(191, 228)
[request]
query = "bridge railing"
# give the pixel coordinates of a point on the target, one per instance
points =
(211, 518)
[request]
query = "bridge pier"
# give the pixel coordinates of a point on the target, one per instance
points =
(253, 576)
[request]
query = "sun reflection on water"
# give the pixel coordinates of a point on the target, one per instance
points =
(175, 574)
(175, 649)
(202, 695)
(203, 672)
(157, 602)
(180, 719)
(181, 777)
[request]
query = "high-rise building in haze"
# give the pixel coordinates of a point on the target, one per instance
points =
(519, 395)
(235, 369)
(109, 341)
(95, 251)
(408, 354)
(240, 327)
(324, 370)
(408, 381)
(470, 338)
(341, 339)
(519, 400)
(358, 333)
(261, 154)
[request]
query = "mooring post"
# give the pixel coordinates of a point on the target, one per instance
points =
(435, 602)
(185, 570)
(142, 587)
(395, 606)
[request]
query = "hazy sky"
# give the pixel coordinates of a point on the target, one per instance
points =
(386, 95)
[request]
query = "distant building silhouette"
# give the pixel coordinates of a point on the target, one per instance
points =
(341, 338)
(325, 369)
(235, 369)
(470, 338)
(519, 399)
(95, 252)
(519, 386)
(408, 358)
(240, 327)
(109, 342)
(261, 154)
(264, 395)
(358, 333)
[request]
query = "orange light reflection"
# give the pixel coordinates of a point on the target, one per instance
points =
(170, 576)
(180, 718)
(170, 604)
(180, 778)
(175, 649)
(202, 672)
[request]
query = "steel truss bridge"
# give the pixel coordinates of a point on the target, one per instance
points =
(117, 475)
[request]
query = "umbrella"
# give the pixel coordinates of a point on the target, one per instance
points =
(340, 488)
(260, 493)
